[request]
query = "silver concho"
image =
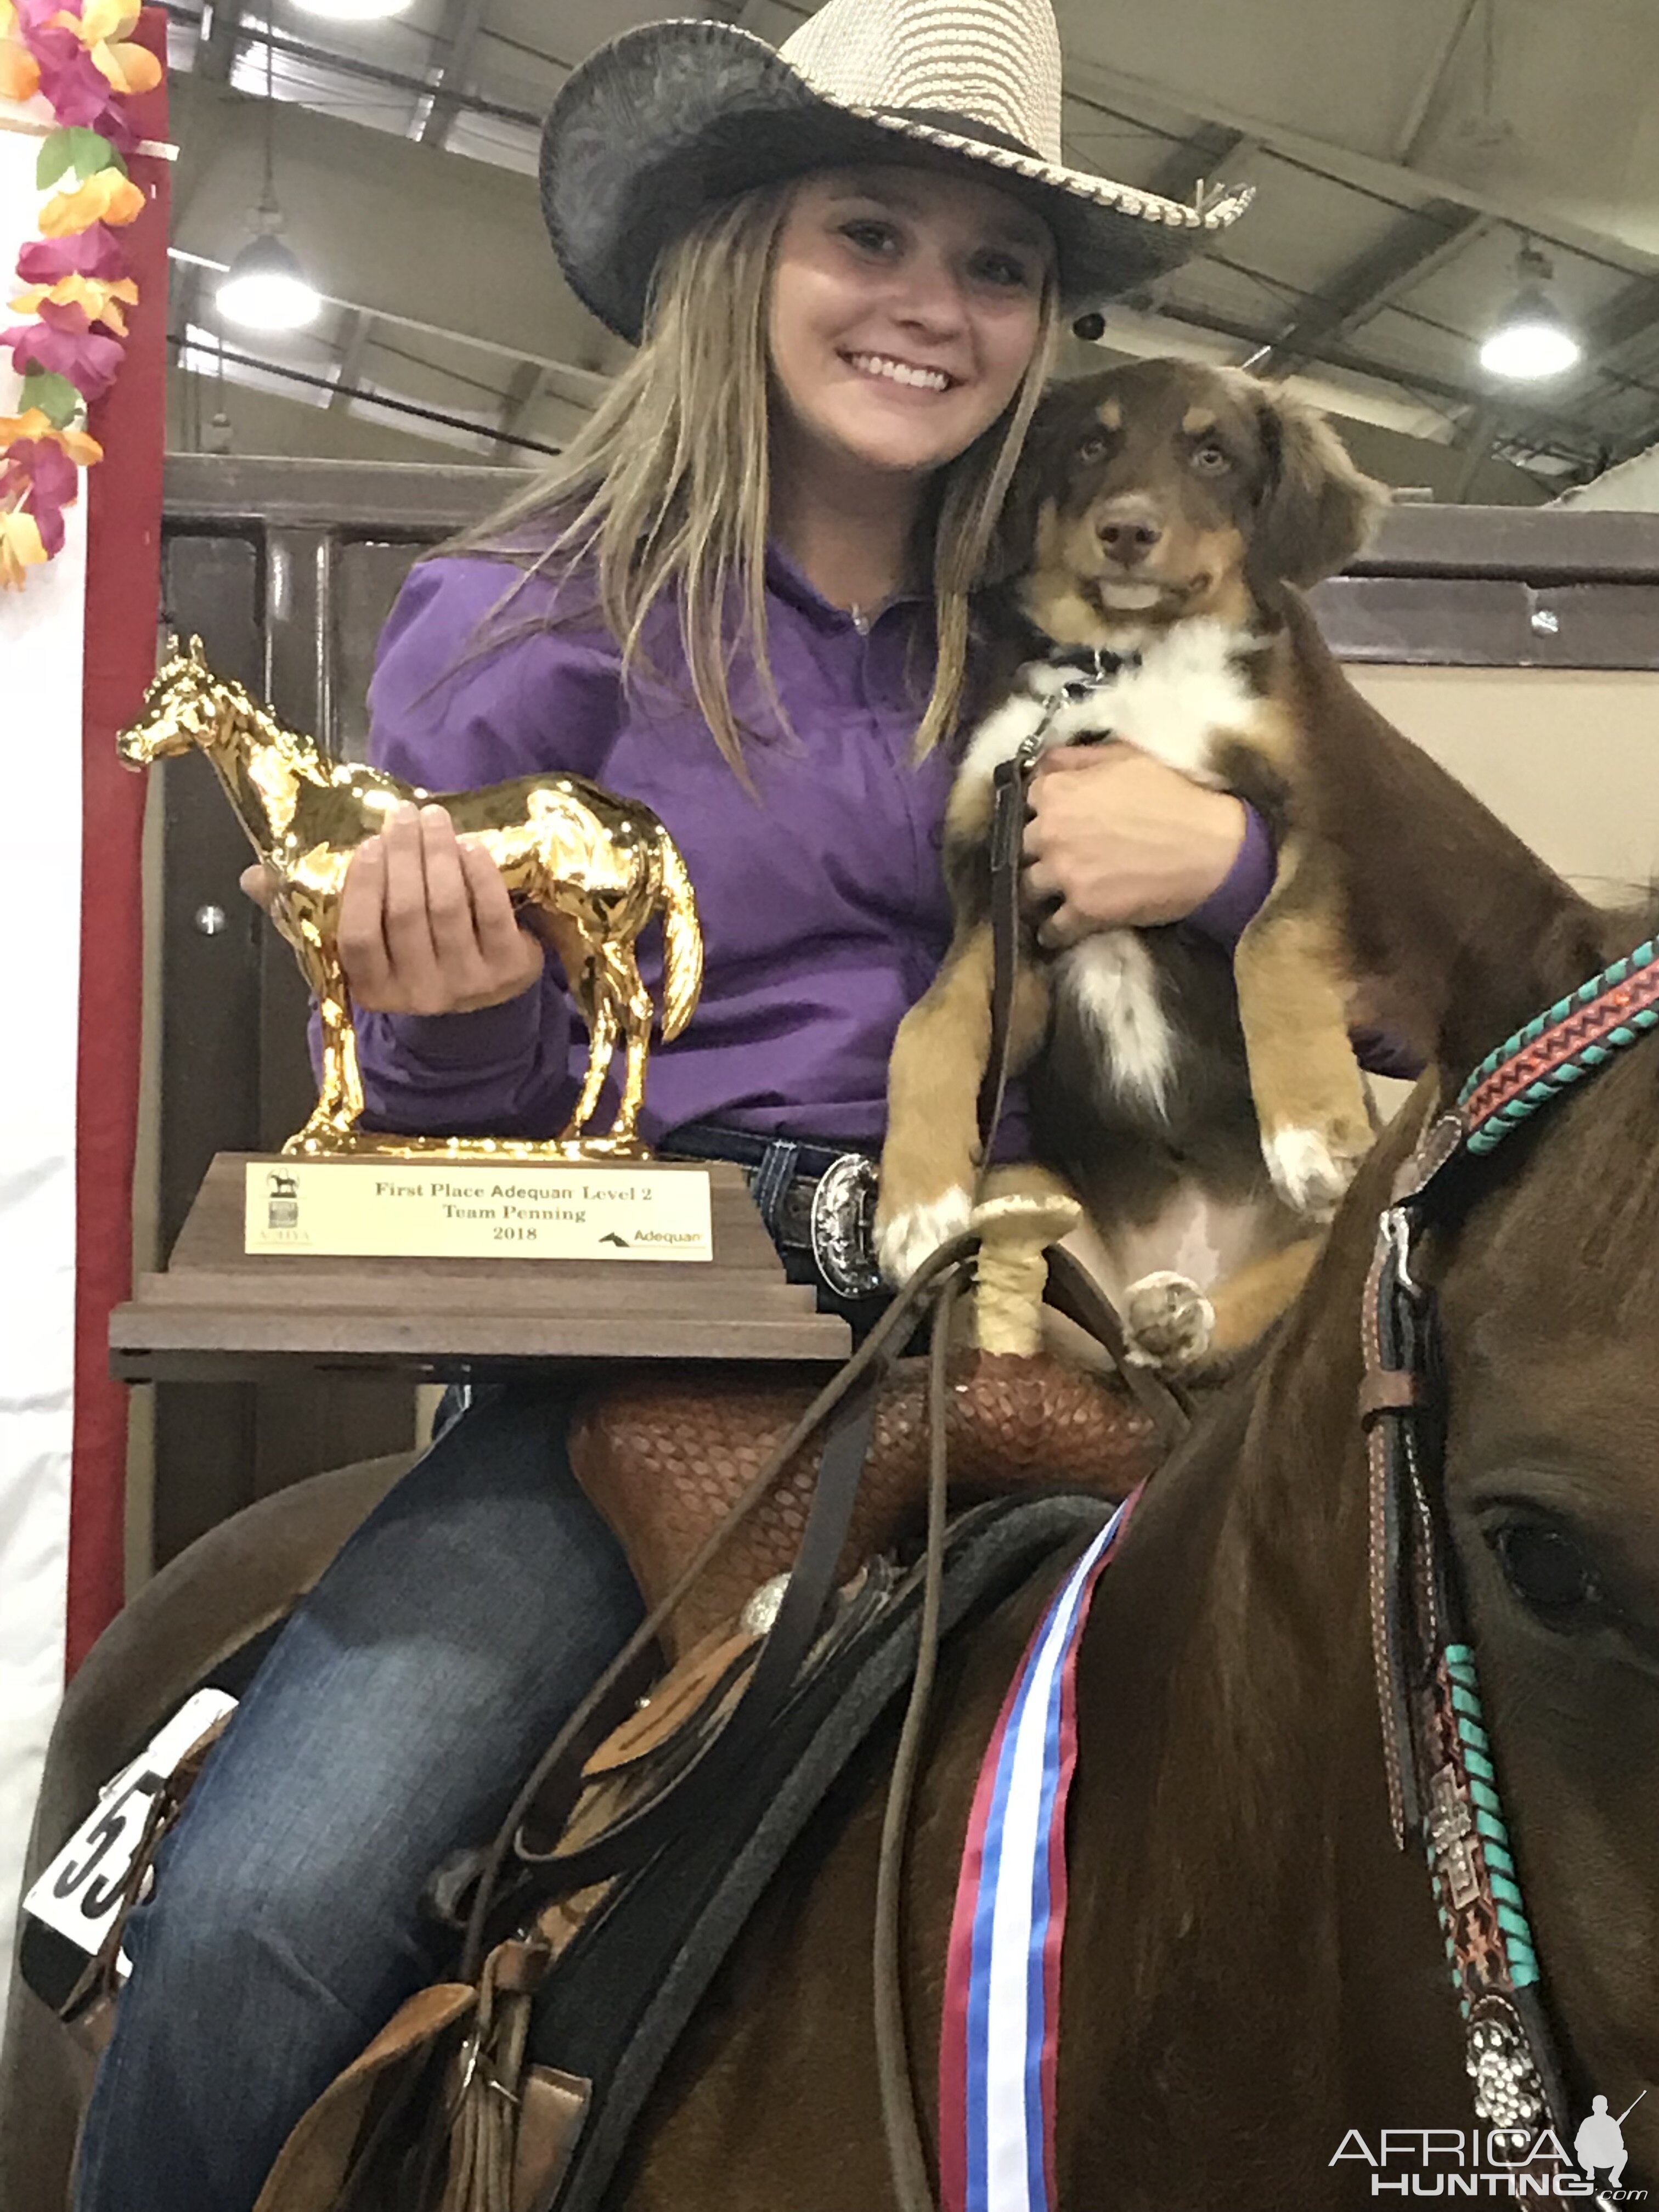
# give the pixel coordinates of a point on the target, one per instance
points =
(843, 1216)
(1508, 2092)
(762, 1610)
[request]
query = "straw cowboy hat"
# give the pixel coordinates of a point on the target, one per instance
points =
(672, 117)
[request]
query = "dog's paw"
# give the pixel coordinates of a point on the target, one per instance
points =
(1311, 1169)
(913, 1233)
(1169, 1322)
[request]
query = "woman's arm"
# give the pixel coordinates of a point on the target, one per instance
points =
(463, 1027)
(1124, 841)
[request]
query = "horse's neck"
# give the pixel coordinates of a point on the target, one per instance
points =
(1234, 1874)
(265, 774)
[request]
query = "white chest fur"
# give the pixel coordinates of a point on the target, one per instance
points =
(1188, 692)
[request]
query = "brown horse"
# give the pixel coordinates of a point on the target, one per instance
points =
(1252, 1969)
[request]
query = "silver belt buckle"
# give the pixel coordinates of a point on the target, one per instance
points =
(842, 1227)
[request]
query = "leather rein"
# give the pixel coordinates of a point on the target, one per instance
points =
(1444, 1791)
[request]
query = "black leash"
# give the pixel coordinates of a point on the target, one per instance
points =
(1086, 669)
(1010, 787)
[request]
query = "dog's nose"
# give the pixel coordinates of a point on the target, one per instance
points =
(1129, 530)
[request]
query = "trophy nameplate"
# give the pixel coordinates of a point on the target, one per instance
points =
(455, 1256)
(463, 1210)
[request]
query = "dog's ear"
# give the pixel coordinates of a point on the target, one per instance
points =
(1316, 509)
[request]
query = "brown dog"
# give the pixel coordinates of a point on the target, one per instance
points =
(1207, 1112)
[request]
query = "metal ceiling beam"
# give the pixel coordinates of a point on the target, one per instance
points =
(565, 379)
(1093, 83)
(1356, 364)
(1200, 159)
(1414, 127)
(184, 292)
(456, 37)
(354, 335)
(524, 387)
(1474, 443)
(1631, 314)
(390, 405)
(378, 222)
(1410, 252)
(216, 39)
(369, 72)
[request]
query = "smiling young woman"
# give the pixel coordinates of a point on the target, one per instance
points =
(744, 595)
(909, 313)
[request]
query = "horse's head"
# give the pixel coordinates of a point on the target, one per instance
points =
(1539, 1258)
(1548, 1290)
(184, 705)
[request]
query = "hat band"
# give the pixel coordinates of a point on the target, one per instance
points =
(962, 126)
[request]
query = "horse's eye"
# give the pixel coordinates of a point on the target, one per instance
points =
(1551, 1575)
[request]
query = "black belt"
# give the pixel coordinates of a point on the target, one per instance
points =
(813, 1198)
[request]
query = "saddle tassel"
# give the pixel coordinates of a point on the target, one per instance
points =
(483, 2128)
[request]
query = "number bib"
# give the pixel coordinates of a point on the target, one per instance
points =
(80, 1892)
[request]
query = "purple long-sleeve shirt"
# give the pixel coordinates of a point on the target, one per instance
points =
(823, 905)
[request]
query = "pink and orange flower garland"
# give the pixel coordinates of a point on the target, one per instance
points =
(75, 274)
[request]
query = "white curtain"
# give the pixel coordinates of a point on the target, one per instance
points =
(40, 708)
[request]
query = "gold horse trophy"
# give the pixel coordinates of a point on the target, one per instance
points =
(597, 868)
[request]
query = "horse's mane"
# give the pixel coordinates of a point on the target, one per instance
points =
(1584, 1215)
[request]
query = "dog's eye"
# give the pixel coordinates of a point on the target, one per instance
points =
(1092, 446)
(1552, 1575)
(1210, 460)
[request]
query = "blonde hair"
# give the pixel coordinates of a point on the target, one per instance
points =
(665, 493)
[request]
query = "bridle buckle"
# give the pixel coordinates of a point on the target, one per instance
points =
(1399, 1228)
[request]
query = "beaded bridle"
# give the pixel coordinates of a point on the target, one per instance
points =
(1443, 1783)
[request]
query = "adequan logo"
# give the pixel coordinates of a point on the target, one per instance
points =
(1514, 2162)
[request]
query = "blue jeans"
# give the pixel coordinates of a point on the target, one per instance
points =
(392, 1723)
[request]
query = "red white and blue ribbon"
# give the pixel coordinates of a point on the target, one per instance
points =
(1000, 2044)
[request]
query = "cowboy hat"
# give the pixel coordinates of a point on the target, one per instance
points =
(671, 118)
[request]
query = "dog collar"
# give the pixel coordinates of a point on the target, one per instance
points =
(1095, 660)
(1097, 663)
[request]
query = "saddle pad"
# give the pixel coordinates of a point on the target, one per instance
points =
(622, 1993)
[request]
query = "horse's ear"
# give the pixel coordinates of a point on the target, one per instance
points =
(1316, 509)
(196, 651)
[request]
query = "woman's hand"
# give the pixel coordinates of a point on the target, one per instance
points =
(425, 924)
(1122, 842)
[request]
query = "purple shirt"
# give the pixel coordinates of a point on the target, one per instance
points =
(823, 905)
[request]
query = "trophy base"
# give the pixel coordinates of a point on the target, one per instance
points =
(218, 1312)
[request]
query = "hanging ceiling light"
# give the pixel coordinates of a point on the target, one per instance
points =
(265, 289)
(1532, 338)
